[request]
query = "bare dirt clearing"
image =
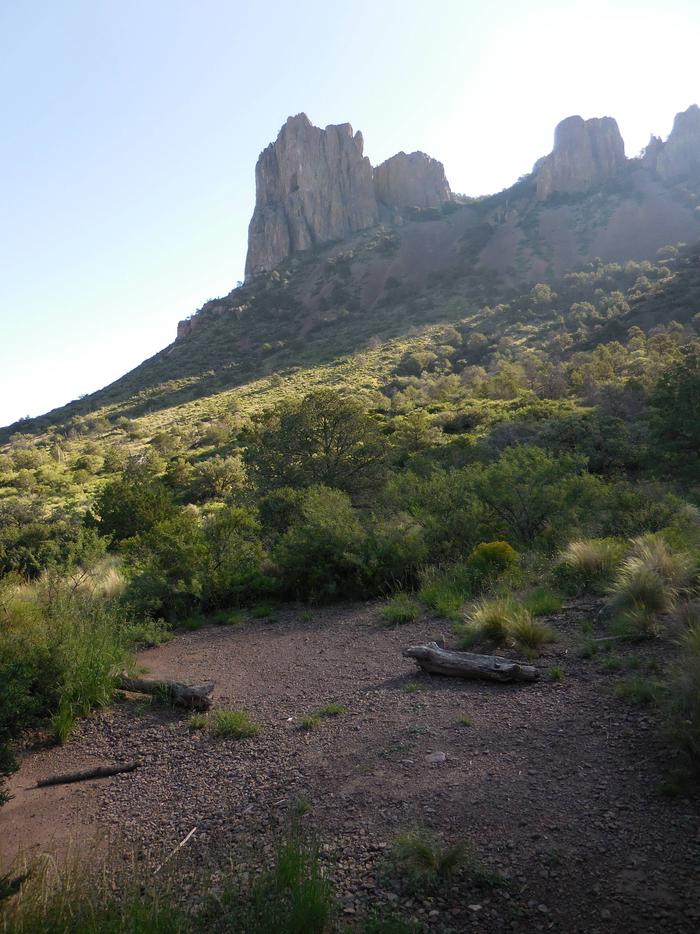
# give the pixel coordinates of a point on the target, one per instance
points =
(555, 783)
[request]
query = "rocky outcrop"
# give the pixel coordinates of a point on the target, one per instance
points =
(679, 156)
(585, 153)
(312, 186)
(411, 180)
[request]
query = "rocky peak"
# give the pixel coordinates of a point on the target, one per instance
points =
(585, 152)
(679, 156)
(312, 186)
(411, 180)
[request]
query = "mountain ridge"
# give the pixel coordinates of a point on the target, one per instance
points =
(429, 259)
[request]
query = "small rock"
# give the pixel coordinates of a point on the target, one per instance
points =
(436, 758)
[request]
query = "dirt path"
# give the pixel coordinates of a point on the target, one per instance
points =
(554, 784)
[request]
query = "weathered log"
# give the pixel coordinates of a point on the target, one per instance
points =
(439, 661)
(191, 696)
(100, 771)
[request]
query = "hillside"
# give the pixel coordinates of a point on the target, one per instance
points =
(415, 266)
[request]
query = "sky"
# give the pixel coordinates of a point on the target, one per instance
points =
(129, 132)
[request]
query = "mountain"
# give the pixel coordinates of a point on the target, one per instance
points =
(341, 253)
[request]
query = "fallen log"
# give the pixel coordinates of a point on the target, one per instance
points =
(439, 661)
(191, 696)
(100, 771)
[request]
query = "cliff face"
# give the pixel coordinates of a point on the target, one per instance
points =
(411, 180)
(312, 186)
(585, 152)
(679, 156)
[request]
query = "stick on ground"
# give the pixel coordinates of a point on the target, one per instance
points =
(170, 855)
(101, 771)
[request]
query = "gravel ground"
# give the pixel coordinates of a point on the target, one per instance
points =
(554, 784)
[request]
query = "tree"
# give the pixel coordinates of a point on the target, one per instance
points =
(217, 478)
(165, 563)
(132, 504)
(234, 557)
(675, 417)
(319, 555)
(325, 438)
(528, 491)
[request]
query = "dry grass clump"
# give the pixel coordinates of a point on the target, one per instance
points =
(504, 622)
(649, 583)
(589, 564)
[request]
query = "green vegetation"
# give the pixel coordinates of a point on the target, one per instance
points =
(649, 584)
(401, 608)
(504, 622)
(637, 691)
(231, 724)
(291, 897)
(330, 710)
(542, 602)
(443, 447)
(224, 724)
(589, 565)
(419, 860)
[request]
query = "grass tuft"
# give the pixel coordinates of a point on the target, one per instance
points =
(637, 690)
(232, 724)
(589, 564)
(400, 609)
(542, 601)
(504, 622)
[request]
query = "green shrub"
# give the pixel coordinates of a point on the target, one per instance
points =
(401, 608)
(292, 898)
(490, 560)
(494, 619)
(66, 896)
(148, 633)
(589, 564)
(319, 555)
(445, 590)
(680, 702)
(330, 710)
(309, 722)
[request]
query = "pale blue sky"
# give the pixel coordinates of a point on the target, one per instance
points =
(129, 131)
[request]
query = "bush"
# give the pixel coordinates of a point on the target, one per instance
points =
(490, 560)
(319, 556)
(401, 608)
(392, 553)
(445, 590)
(70, 646)
(589, 564)
(292, 898)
